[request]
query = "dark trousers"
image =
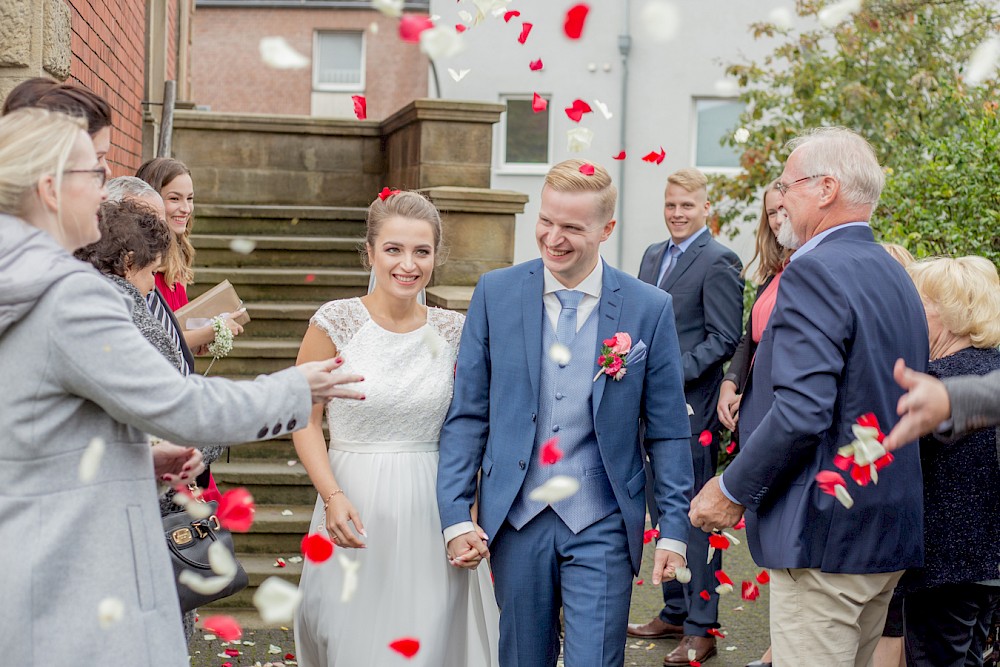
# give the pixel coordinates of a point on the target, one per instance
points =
(682, 603)
(947, 626)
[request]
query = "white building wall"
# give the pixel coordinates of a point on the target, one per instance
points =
(664, 79)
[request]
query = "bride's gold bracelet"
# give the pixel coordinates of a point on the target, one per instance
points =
(326, 503)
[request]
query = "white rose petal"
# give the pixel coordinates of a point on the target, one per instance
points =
(243, 246)
(560, 354)
(487, 7)
(393, 8)
(109, 612)
(983, 62)
(276, 600)
(210, 638)
(692, 654)
(741, 136)
(459, 75)
(465, 15)
(195, 509)
(351, 568)
(432, 340)
(690, 410)
(732, 538)
(837, 13)
(277, 53)
(91, 460)
(661, 20)
(840, 492)
(274, 650)
(221, 560)
(603, 108)
(711, 553)
(295, 559)
(441, 42)
(781, 17)
(292, 463)
(558, 488)
(203, 585)
(579, 139)
(286, 512)
(724, 589)
(682, 574)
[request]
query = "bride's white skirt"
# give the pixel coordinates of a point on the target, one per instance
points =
(405, 586)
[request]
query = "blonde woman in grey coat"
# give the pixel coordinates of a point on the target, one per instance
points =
(75, 369)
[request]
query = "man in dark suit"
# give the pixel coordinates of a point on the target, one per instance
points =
(703, 276)
(845, 312)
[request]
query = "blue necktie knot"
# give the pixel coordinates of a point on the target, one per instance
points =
(566, 326)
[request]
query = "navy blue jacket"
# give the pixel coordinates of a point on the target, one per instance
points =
(845, 312)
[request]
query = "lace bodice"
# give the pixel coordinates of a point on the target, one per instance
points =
(408, 377)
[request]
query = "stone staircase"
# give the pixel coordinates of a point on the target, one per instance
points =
(302, 257)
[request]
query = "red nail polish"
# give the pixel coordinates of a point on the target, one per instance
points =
(338, 360)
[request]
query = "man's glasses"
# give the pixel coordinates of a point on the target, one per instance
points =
(99, 172)
(783, 189)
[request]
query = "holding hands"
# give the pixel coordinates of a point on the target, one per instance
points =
(468, 549)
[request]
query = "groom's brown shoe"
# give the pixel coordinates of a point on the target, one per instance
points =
(704, 648)
(655, 629)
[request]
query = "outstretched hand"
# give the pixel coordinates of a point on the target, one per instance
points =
(923, 407)
(468, 549)
(665, 565)
(325, 378)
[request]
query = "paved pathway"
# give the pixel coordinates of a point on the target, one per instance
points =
(745, 624)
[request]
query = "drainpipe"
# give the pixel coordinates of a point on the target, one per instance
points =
(624, 48)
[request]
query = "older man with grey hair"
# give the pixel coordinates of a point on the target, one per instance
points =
(846, 310)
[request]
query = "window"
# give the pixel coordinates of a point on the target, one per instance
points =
(715, 119)
(525, 141)
(338, 62)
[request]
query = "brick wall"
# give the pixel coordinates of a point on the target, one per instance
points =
(227, 73)
(108, 47)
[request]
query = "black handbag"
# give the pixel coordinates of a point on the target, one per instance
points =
(188, 540)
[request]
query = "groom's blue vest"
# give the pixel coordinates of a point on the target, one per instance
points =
(565, 410)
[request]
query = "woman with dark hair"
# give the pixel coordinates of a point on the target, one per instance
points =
(44, 93)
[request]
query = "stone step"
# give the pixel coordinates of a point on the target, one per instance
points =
(279, 320)
(284, 284)
(215, 250)
(269, 482)
(327, 221)
(273, 533)
(259, 568)
(253, 356)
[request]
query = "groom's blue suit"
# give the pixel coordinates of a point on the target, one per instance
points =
(544, 557)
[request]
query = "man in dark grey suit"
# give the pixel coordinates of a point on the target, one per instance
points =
(703, 276)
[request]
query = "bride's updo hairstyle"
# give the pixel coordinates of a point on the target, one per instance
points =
(405, 204)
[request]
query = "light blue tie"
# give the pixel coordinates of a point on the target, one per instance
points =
(566, 328)
(674, 252)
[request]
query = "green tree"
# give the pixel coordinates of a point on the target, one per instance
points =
(892, 71)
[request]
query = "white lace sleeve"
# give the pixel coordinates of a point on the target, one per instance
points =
(448, 324)
(340, 319)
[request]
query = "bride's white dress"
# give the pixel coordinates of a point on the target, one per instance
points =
(384, 454)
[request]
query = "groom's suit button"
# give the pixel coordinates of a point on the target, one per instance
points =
(559, 397)
(532, 417)
(522, 465)
(555, 429)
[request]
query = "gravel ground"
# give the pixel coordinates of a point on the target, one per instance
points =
(745, 625)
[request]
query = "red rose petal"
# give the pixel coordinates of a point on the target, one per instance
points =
(694, 663)
(620, 156)
(705, 439)
(411, 25)
(731, 447)
(718, 541)
(884, 461)
(843, 462)
(225, 627)
(550, 452)
(289, 656)
(316, 547)
(535, 65)
(232, 653)
(386, 193)
(226, 664)
(828, 479)
(723, 578)
(650, 535)
(405, 646)
(511, 14)
(587, 169)
(716, 633)
(704, 595)
(763, 577)
(236, 510)
(741, 524)
(525, 29)
(640, 582)
(575, 17)
(576, 111)
(750, 591)
(460, 28)
(869, 420)
(861, 474)
(539, 103)
(360, 106)
(655, 157)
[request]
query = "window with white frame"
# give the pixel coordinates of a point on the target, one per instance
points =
(525, 141)
(339, 61)
(715, 119)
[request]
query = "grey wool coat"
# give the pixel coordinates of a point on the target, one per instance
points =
(73, 367)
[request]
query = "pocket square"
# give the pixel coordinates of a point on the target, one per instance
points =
(636, 354)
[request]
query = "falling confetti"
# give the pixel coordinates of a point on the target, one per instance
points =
(557, 488)
(750, 591)
(603, 108)
(535, 65)
(226, 627)
(459, 75)
(441, 42)
(725, 583)
(277, 53)
(386, 193)
(360, 106)
(705, 439)
(411, 25)
(705, 595)
(276, 600)
(351, 567)
(317, 548)
(650, 535)
(640, 582)
(550, 452)
(236, 510)
(525, 30)
(560, 354)
(91, 460)
(579, 139)
(654, 157)
(763, 577)
(587, 169)
(620, 156)
(242, 246)
(718, 541)
(510, 15)
(405, 646)
(833, 483)
(109, 611)
(576, 111)
(539, 103)
(716, 633)
(576, 16)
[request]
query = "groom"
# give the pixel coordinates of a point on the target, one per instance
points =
(525, 376)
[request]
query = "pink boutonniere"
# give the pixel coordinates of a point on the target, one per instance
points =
(613, 353)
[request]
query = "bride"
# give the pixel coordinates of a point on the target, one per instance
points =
(389, 578)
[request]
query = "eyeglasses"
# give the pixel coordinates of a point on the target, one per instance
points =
(783, 189)
(99, 172)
